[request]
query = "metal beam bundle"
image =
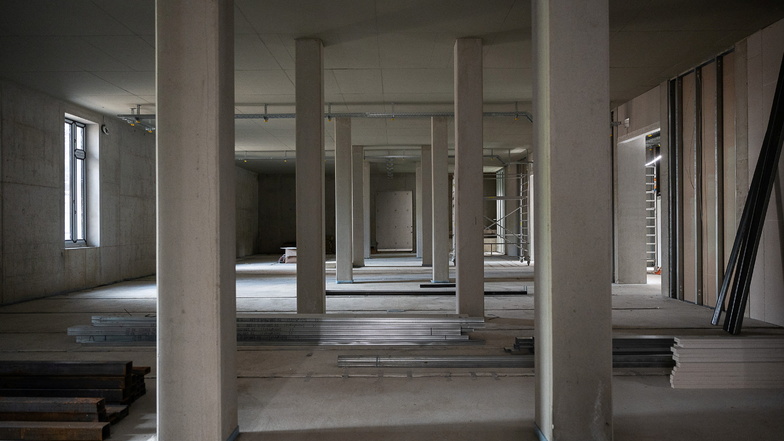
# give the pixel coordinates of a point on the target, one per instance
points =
(645, 351)
(300, 329)
(740, 266)
(438, 361)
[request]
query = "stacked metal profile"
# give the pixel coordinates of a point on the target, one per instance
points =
(744, 250)
(709, 362)
(643, 351)
(298, 329)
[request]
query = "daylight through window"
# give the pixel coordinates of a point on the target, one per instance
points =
(75, 213)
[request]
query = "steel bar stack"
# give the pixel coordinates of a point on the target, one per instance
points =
(51, 400)
(437, 361)
(740, 266)
(645, 351)
(300, 329)
(749, 362)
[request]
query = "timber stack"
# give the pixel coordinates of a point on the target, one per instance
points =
(56, 400)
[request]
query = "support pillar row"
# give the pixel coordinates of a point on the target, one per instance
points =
(311, 271)
(343, 206)
(469, 218)
(441, 199)
(427, 206)
(357, 205)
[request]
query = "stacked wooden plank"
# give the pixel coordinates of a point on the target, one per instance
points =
(299, 329)
(55, 400)
(728, 362)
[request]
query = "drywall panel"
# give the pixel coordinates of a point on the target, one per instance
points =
(764, 51)
(712, 219)
(689, 196)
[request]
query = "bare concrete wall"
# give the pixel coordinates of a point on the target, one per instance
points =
(247, 212)
(637, 117)
(35, 262)
(277, 212)
(381, 182)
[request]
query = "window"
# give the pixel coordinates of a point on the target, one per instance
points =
(75, 183)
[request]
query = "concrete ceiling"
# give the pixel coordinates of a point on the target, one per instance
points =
(380, 56)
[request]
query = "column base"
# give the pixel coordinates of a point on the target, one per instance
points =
(539, 433)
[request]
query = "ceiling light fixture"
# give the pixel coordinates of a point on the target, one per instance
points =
(654, 161)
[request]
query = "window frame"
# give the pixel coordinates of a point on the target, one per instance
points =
(75, 189)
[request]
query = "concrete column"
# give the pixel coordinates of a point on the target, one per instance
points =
(427, 207)
(573, 298)
(418, 205)
(366, 205)
(343, 205)
(357, 207)
(630, 212)
(441, 198)
(196, 221)
(311, 274)
(512, 205)
(469, 220)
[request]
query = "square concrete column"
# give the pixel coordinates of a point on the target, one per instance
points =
(366, 205)
(357, 207)
(309, 89)
(196, 221)
(441, 199)
(427, 207)
(573, 225)
(343, 206)
(418, 204)
(469, 219)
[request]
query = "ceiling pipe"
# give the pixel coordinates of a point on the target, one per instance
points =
(135, 118)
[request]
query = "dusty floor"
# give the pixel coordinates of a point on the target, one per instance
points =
(299, 393)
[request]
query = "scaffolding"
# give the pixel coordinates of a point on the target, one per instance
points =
(509, 231)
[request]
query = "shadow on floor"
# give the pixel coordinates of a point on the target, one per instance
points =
(496, 431)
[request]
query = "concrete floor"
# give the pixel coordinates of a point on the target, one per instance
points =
(299, 393)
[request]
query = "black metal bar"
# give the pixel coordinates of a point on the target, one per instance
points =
(672, 199)
(679, 185)
(763, 180)
(719, 163)
(698, 188)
